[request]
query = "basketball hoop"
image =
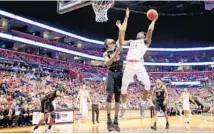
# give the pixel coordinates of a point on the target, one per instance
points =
(101, 8)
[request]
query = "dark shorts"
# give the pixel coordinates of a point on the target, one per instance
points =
(114, 81)
(160, 106)
(47, 106)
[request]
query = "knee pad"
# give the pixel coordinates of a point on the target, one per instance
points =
(117, 97)
(53, 116)
(109, 97)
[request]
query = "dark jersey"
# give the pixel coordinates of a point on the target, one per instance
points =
(159, 93)
(50, 96)
(118, 63)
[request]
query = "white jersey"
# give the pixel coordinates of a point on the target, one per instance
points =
(185, 98)
(137, 50)
(83, 103)
(83, 96)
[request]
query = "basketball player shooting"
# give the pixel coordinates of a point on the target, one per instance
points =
(161, 96)
(114, 60)
(48, 107)
(185, 98)
(134, 64)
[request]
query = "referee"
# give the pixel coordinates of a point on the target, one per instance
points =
(95, 107)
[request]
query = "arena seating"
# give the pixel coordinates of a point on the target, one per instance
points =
(12, 55)
(194, 56)
(54, 43)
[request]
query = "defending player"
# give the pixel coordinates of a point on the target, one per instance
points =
(161, 96)
(185, 98)
(134, 64)
(114, 61)
(47, 107)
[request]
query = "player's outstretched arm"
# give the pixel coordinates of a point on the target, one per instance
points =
(149, 32)
(125, 21)
(122, 32)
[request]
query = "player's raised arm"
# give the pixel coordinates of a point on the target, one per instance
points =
(148, 39)
(125, 22)
(123, 31)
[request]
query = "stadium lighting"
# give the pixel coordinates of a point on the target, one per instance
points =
(10, 15)
(39, 44)
(48, 46)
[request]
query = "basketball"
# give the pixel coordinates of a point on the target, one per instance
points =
(152, 14)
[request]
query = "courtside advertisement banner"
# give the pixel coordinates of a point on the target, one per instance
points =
(61, 117)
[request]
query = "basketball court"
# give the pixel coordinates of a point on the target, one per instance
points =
(133, 124)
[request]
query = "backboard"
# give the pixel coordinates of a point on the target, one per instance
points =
(64, 6)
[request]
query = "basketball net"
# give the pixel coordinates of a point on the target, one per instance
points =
(101, 8)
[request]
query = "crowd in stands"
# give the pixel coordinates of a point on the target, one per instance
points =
(87, 70)
(22, 89)
(21, 92)
(53, 63)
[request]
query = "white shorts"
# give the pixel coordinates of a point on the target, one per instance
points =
(131, 69)
(186, 106)
(84, 108)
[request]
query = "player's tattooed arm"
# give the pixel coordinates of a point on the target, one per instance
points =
(165, 94)
(148, 39)
(108, 61)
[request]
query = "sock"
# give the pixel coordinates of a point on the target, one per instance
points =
(124, 105)
(167, 123)
(115, 118)
(35, 127)
(185, 120)
(49, 127)
(108, 116)
(155, 124)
